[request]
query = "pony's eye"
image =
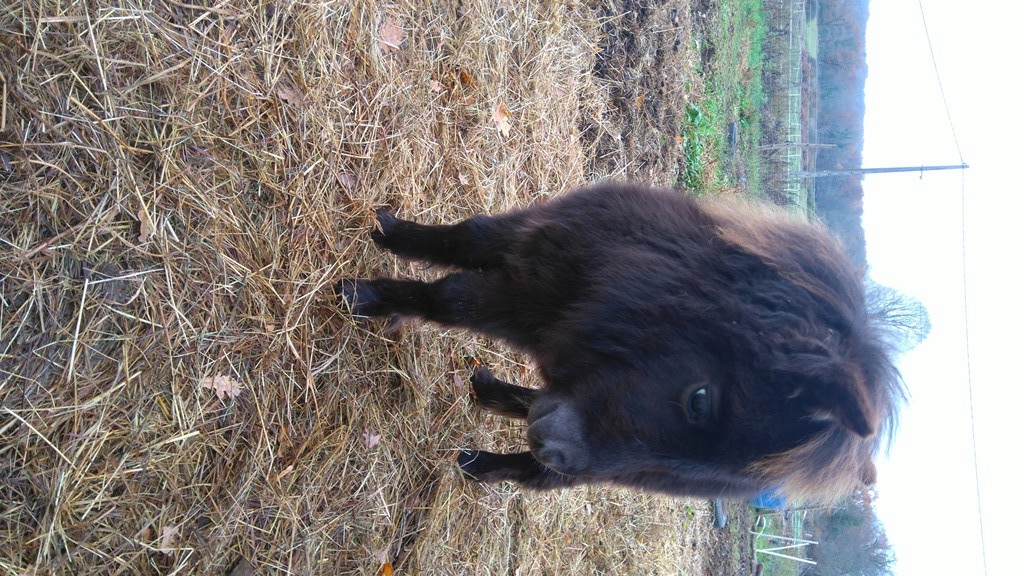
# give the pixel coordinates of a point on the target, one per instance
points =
(699, 405)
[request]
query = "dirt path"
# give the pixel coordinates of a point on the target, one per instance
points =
(648, 61)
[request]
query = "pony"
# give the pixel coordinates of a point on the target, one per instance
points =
(687, 346)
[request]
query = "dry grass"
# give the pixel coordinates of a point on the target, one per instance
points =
(181, 183)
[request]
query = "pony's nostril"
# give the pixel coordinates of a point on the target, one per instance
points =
(553, 458)
(563, 457)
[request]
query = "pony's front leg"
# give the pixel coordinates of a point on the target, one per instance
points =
(500, 397)
(521, 468)
(455, 300)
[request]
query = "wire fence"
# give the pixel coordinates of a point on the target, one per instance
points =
(785, 150)
(796, 193)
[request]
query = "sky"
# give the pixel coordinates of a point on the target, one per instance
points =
(950, 501)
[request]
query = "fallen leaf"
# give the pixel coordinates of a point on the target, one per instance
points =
(385, 565)
(391, 35)
(436, 86)
(346, 180)
(463, 179)
(459, 383)
(145, 228)
(225, 386)
(286, 472)
(291, 95)
(370, 439)
(168, 538)
(502, 119)
(466, 78)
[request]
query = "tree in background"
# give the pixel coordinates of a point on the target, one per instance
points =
(852, 541)
(906, 318)
(842, 73)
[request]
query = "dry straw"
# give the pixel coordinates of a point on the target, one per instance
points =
(181, 183)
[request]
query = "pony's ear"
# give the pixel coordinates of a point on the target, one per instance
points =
(834, 389)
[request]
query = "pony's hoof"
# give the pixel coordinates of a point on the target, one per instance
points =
(472, 463)
(359, 296)
(383, 234)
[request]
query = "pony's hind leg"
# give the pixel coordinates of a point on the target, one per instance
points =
(480, 242)
(478, 301)
(500, 397)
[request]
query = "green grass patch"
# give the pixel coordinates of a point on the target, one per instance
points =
(702, 136)
(733, 95)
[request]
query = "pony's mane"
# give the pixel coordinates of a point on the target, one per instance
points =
(836, 461)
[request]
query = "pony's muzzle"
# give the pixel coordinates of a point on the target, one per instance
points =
(555, 435)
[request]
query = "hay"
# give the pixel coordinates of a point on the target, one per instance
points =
(181, 183)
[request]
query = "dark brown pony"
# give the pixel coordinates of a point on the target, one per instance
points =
(688, 347)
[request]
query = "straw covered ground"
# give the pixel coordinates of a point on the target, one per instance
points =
(181, 184)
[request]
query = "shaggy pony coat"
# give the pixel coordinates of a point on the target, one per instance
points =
(690, 347)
